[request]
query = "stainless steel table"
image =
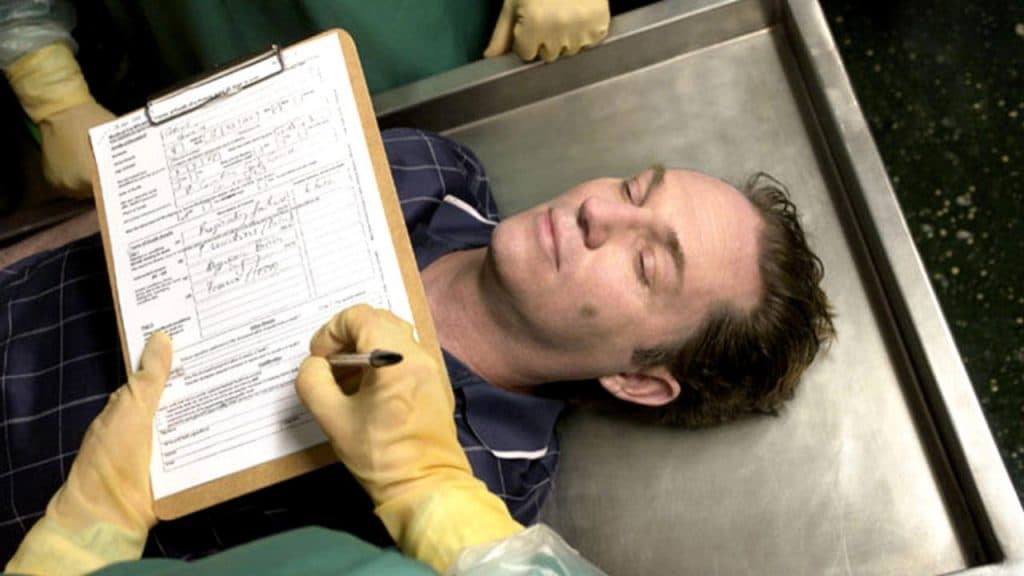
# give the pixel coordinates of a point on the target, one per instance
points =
(883, 464)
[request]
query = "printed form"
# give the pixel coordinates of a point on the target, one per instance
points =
(239, 228)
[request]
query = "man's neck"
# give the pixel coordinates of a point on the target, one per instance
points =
(483, 336)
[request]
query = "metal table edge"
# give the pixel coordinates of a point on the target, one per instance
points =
(954, 406)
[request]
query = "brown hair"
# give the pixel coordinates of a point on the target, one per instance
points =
(739, 362)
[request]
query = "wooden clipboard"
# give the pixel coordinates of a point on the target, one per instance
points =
(298, 463)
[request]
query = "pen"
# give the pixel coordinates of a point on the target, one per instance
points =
(374, 359)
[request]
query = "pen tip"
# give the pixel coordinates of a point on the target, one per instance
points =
(386, 358)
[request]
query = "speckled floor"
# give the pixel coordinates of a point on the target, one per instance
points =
(940, 83)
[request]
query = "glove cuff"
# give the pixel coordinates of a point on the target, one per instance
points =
(435, 521)
(48, 81)
(535, 546)
(50, 548)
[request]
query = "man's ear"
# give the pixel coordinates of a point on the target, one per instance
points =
(648, 387)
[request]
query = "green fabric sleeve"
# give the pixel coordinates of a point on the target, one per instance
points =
(307, 551)
(399, 41)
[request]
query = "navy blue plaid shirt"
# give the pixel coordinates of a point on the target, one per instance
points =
(61, 358)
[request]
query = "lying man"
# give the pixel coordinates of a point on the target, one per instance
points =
(680, 295)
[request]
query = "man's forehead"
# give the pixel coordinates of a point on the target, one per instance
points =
(730, 237)
(701, 182)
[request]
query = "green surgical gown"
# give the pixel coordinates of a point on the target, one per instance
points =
(310, 551)
(399, 41)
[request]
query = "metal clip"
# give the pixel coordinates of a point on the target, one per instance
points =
(222, 83)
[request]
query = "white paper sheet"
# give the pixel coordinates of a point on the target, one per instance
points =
(239, 228)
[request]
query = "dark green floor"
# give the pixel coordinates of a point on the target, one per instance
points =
(940, 84)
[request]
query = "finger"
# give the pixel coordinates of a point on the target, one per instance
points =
(348, 378)
(340, 333)
(501, 37)
(595, 36)
(549, 55)
(154, 368)
(362, 329)
(319, 392)
(572, 49)
(526, 44)
(157, 355)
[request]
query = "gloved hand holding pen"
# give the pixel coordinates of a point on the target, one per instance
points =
(397, 436)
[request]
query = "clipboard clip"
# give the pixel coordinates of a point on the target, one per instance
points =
(218, 84)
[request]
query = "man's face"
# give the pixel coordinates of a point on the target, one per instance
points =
(613, 265)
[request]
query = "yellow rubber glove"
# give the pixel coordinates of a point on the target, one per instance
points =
(549, 28)
(103, 512)
(397, 436)
(50, 86)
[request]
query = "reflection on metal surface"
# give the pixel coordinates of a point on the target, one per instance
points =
(883, 463)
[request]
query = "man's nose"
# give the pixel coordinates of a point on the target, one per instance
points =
(601, 220)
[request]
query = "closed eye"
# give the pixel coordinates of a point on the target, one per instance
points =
(627, 191)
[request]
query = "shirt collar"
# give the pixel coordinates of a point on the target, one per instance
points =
(507, 423)
(450, 228)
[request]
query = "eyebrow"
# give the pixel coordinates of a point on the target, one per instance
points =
(672, 242)
(656, 178)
